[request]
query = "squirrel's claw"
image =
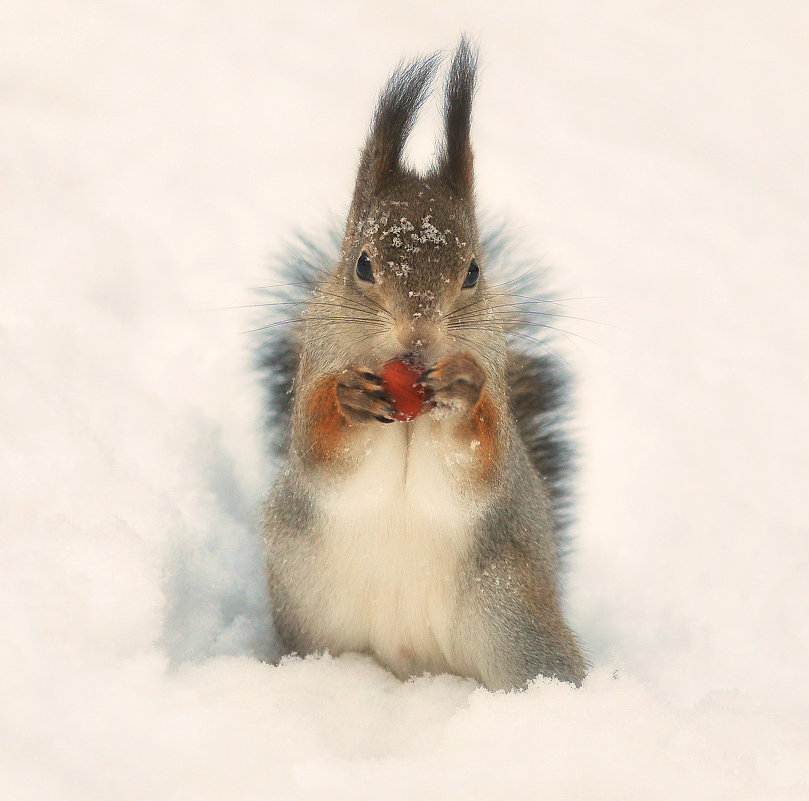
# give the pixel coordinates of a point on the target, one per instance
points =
(361, 397)
(454, 383)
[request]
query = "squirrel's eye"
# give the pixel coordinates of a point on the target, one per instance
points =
(472, 275)
(364, 269)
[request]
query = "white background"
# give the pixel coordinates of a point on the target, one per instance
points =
(155, 155)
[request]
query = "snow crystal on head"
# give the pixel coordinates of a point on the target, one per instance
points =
(404, 234)
(430, 233)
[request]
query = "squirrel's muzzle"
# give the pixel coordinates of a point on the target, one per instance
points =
(417, 334)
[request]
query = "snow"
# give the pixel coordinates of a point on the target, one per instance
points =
(154, 154)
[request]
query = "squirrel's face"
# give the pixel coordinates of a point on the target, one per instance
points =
(415, 257)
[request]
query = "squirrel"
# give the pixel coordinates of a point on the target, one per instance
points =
(433, 543)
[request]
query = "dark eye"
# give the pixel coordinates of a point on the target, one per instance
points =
(472, 275)
(364, 270)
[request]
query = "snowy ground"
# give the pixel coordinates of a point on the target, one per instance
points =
(153, 155)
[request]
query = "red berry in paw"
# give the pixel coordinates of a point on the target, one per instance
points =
(398, 377)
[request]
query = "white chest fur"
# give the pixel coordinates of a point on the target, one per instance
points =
(395, 533)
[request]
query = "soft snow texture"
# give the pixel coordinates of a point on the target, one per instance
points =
(153, 155)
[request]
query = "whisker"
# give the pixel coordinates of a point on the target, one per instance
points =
(362, 320)
(544, 346)
(483, 302)
(527, 277)
(523, 315)
(511, 332)
(364, 302)
(476, 302)
(369, 303)
(463, 339)
(532, 299)
(283, 286)
(293, 303)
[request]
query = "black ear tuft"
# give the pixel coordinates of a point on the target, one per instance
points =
(403, 94)
(456, 163)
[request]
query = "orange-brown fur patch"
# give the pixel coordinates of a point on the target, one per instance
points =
(482, 426)
(327, 423)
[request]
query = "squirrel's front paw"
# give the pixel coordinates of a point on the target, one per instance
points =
(455, 383)
(361, 397)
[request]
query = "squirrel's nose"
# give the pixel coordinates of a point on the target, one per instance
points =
(416, 334)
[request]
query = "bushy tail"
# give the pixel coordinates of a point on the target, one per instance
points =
(538, 381)
(297, 273)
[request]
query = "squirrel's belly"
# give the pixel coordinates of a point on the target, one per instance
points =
(395, 538)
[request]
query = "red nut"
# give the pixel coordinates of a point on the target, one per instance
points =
(398, 378)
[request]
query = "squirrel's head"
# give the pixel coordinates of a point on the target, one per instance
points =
(411, 250)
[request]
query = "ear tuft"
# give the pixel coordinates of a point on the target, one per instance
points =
(399, 103)
(456, 165)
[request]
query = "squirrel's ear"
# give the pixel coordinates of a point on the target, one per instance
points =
(455, 165)
(403, 94)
